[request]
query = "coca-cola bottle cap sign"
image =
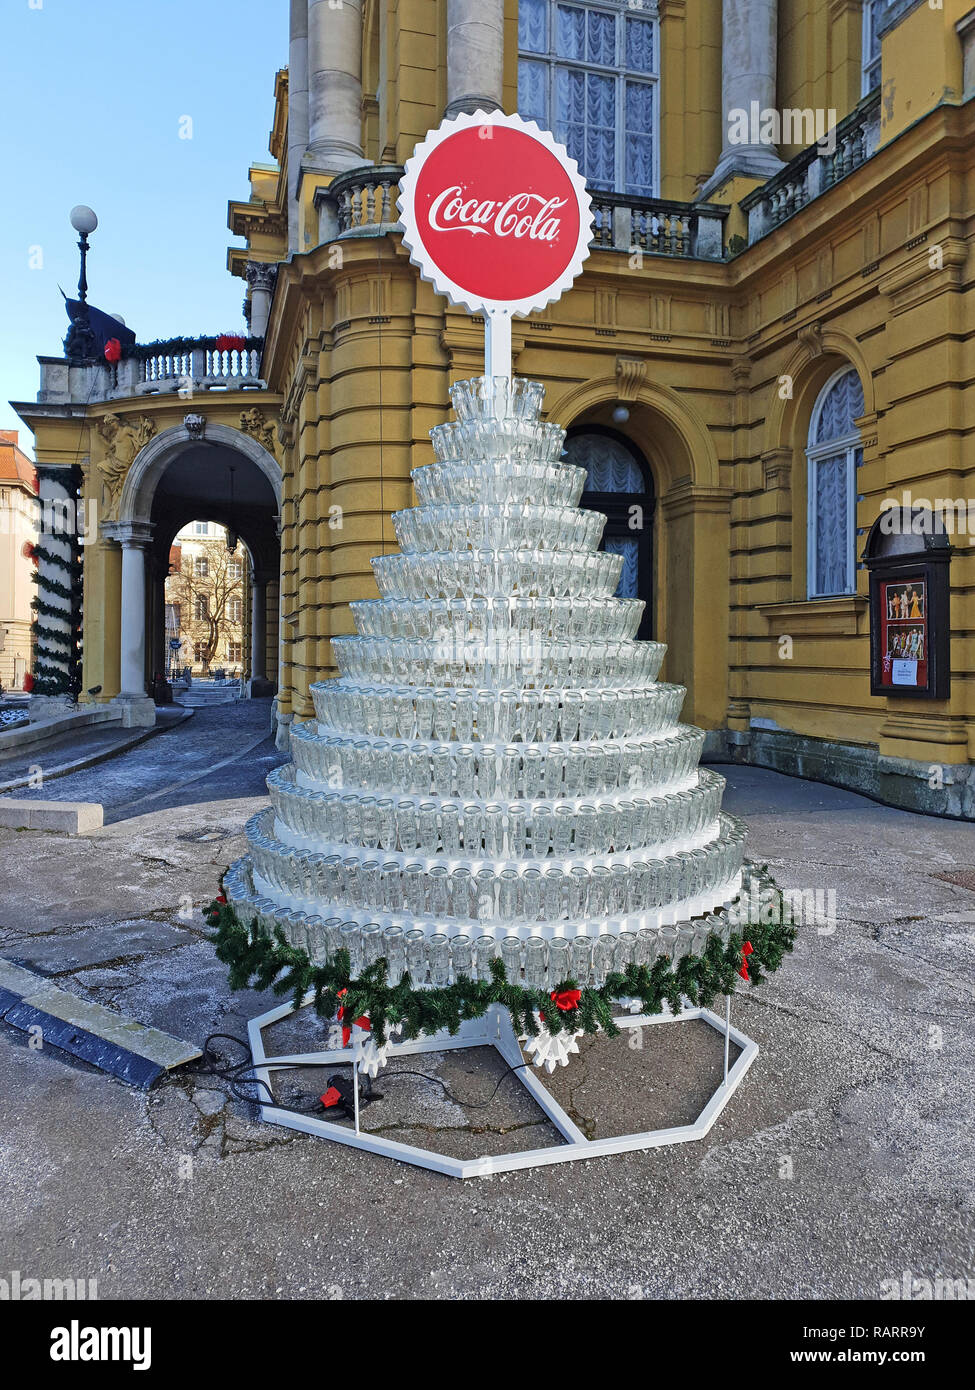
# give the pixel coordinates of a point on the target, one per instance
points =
(495, 213)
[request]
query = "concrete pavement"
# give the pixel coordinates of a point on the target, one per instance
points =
(842, 1161)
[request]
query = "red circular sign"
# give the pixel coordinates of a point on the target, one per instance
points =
(495, 213)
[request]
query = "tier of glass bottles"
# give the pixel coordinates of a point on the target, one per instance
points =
(496, 771)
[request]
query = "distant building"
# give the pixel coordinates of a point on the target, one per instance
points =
(18, 531)
(206, 601)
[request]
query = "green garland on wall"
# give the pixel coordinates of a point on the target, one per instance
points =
(271, 963)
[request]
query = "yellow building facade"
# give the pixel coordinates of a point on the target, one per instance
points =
(771, 341)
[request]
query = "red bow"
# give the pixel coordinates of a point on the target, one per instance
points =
(231, 342)
(362, 1022)
(746, 951)
(113, 350)
(331, 1097)
(566, 999)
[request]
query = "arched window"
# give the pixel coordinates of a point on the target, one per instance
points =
(589, 73)
(620, 485)
(833, 455)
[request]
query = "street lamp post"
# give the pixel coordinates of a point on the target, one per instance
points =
(79, 345)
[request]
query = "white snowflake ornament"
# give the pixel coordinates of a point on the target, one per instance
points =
(551, 1050)
(372, 1055)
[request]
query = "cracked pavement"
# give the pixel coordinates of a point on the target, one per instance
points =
(844, 1158)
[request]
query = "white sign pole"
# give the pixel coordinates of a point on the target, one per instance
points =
(497, 343)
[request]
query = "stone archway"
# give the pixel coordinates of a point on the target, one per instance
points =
(151, 462)
(182, 475)
(691, 544)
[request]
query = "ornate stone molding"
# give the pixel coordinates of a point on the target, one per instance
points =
(195, 426)
(123, 437)
(811, 338)
(261, 275)
(741, 371)
(777, 468)
(255, 423)
(817, 617)
(130, 533)
(631, 373)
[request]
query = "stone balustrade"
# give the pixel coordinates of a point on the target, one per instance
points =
(190, 365)
(657, 226)
(360, 203)
(853, 140)
(363, 203)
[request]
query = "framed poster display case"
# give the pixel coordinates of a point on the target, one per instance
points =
(907, 553)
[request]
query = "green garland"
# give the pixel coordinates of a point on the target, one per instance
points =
(271, 963)
(50, 610)
(53, 586)
(54, 673)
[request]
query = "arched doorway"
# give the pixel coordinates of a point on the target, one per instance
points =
(620, 485)
(232, 507)
(689, 539)
(198, 472)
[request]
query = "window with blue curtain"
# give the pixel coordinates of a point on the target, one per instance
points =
(589, 74)
(619, 484)
(833, 456)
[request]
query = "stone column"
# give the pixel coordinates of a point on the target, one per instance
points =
(159, 638)
(749, 40)
(334, 86)
(475, 55)
(297, 113)
(258, 627)
(137, 708)
(261, 276)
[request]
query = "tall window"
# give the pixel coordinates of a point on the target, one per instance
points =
(235, 651)
(873, 13)
(235, 610)
(588, 73)
(201, 567)
(201, 608)
(833, 455)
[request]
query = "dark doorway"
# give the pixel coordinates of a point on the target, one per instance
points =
(620, 485)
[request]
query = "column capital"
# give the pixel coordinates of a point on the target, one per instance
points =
(129, 534)
(261, 275)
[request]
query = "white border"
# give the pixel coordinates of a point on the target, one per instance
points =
(422, 258)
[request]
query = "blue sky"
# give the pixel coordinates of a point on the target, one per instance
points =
(92, 93)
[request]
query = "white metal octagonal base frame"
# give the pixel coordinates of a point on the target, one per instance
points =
(495, 1030)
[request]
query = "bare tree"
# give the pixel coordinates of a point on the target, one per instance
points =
(209, 588)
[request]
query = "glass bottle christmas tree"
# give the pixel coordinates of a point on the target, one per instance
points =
(496, 772)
